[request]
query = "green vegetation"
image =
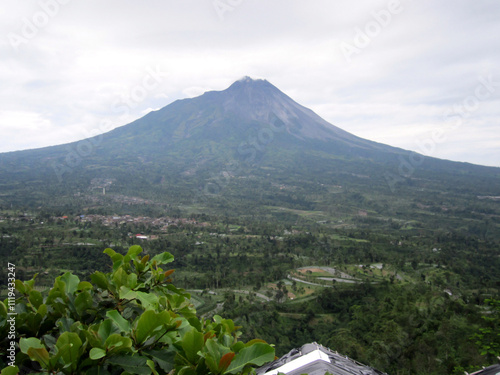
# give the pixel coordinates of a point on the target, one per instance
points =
(131, 320)
(393, 300)
(488, 338)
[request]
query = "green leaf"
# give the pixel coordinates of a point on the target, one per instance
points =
(254, 341)
(237, 346)
(97, 370)
(69, 344)
(211, 363)
(40, 355)
(32, 342)
(100, 279)
(58, 288)
(42, 310)
(3, 310)
(257, 354)
(126, 293)
(31, 283)
(192, 343)
(213, 353)
(56, 356)
(85, 285)
(35, 298)
(49, 341)
(69, 338)
(106, 328)
(226, 339)
(71, 282)
(195, 322)
(119, 320)
(150, 322)
(92, 337)
(151, 365)
(163, 258)
(134, 250)
(32, 322)
(83, 302)
(133, 364)
(64, 324)
(20, 286)
(148, 300)
(116, 343)
(115, 257)
(120, 278)
(164, 358)
(181, 304)
(10, 370)
(97, 353)
(110, 252)
(132, 280)
(187, 371)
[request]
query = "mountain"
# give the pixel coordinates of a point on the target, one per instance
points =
(248, 113)
(249, 149)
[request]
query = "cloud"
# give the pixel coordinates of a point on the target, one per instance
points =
(25, 128)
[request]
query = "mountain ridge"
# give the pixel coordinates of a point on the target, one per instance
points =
(177, 151)
(246, 85)
(257, 99)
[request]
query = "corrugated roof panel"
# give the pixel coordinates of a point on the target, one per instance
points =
(315, 359)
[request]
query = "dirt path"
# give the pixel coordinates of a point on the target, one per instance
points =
(330, 270)
(260, 295)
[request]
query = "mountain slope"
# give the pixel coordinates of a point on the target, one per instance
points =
(248, 108)
(249, 147)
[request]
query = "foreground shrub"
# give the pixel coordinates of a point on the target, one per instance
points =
(132, 320)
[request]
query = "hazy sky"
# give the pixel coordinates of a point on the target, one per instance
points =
(422, 75)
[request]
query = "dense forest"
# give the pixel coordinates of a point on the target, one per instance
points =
(405, 299)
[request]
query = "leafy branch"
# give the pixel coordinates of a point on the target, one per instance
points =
(130, 320)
